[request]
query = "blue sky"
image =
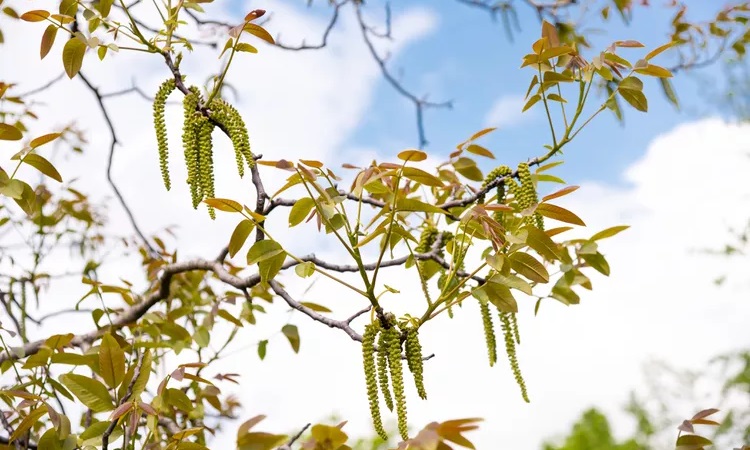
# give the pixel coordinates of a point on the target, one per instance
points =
(469, 59)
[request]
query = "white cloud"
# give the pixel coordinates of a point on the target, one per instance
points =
(506, 112)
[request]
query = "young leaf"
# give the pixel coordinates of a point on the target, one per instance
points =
(36, 15)
(262, 347)
(412, 155)
(609, 232)
(305, 269)
(258, 31)
(48, 39)
(479, 150)
(636, 99)
(420, 176)
(559, 213)
(111, 361)
(245, 47)
(239, 236)
(528, 266)
(292, 334)
(223, 204)
(90, 392)
(300, 210)
(72, 56)
(9, 133)
(41, 164)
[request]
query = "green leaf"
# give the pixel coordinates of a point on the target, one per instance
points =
(41, 164)
(257, 30)
(669, 91)
(559, 213)
(597, 262)
(305, 269)
(178, 399)
(300, 210)
(14, 189)
(105, 6)
(111, 361)
(542, 244)
(143, 375)
(72, 56)
(262, 347)
(531, 102)
(497, 294)
(92, 393)
(316, 307)
(410, 204)
(263, 250)
(420, 176)
(609, 232)
(223, 204)
(239, 236)
(528, 266)
(412, 155)
(202, 337)
(512, 282)
(48, 40)
(245, 47)
(659, 50)
(29, 421)
(292, 334)
(41, 140)
(479, 150)
(636, 99)
(9, 133)
(692, 442)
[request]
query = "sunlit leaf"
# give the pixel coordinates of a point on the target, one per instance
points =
(412, 155)
(111, 361)
(223, 204)
(41, 164)
(72, 56)
(528, 266)
(559, 213)
(48, 40)
(239, 236)
(92, 393)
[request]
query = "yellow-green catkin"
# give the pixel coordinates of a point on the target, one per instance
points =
(205, 148)
(426, 240)
(514, 326)
(527, 196)
(497, 172)
(383, 346)
(229, 118)
(414, 359)
(160, 101)
(397, 379)
(489, 332)
(368, 361)
(510, 348)
(508, 185)
(190, 142)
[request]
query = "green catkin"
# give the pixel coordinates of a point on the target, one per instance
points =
(368, 360)
(160, 126)
(190, 142)
(510, 348)
(414, 359)
(426, 240)
(507, 185)
(489, 332)
(514, 326)
(205, 146)
(397, 379)
(527, 196)
(229, 118)
(383, 345)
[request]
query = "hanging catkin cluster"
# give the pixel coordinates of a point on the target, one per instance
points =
(388, 373)
(489, 331)
(196, 139)
(507, 185)
(160, 101)
(510, 332)
(526, 196)
(413, 350)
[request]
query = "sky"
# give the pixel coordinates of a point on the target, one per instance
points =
(675, 177)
